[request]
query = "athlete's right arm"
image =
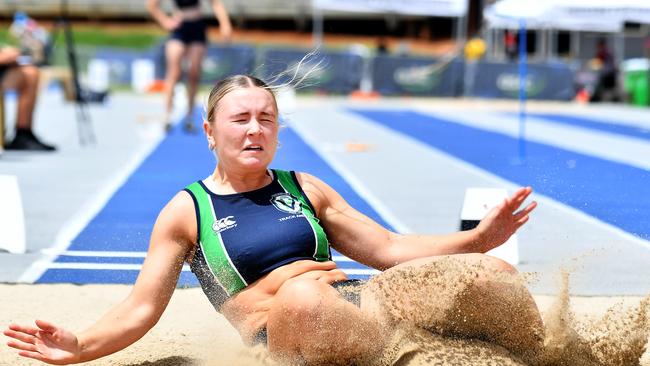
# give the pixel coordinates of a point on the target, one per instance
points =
(165, 21)
(171, 241)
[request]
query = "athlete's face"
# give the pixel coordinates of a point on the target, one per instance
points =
(245, 129)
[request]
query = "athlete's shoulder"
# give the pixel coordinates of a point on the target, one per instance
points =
(308, 179)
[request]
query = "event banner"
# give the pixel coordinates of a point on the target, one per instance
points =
(443, 8)
(552, 81)
(331, 72)
(223, 61)
(398, 75)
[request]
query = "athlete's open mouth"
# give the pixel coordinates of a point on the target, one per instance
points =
(253, 148)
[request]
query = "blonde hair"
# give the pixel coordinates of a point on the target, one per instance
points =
(229, 84)
(298, 77)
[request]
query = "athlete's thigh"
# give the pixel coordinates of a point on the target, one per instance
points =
(11, 78)
(174, 51)
(471, 259)
(195, 53)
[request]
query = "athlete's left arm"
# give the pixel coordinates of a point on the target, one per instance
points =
(362, 239)
(221, 13)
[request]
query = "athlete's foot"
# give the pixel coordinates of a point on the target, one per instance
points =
(167, 122)
(188, 126)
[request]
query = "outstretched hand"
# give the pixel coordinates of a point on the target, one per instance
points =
(504, 220)
(45, 342)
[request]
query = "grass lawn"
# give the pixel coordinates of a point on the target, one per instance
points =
(125, 36)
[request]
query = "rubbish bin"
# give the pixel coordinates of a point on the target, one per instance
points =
(637, 81)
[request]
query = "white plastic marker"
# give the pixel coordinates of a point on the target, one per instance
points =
(143, 74)
(98, 75)
(478, 202)
(12, 217)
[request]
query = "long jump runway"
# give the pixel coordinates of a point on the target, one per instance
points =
(408, 169)
(112, 247)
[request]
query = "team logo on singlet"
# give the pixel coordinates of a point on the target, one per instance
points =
(224, 223)
(285, 202)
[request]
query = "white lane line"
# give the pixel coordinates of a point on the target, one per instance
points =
(94, 266)
(117, 254)
(341, 258)
(367, 272)
(351, 179)
(88, 253)
(546, 200)
(81, 219)
(136, 267)
(621, 148)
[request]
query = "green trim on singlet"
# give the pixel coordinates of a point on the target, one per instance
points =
(290, 184)
(212, 246)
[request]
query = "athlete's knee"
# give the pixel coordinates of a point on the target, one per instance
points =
(31, 74)
(302, 299)
(293, 315)
(194, 75)
(490, 263)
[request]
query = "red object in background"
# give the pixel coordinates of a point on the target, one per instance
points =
(510, 39)
(156, 87)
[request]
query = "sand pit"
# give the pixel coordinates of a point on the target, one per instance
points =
(192, 333)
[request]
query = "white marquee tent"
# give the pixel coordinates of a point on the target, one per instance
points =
(548, 16)
(574, 15)
(441, 8)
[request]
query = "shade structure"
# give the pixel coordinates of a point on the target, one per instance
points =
(442, 8)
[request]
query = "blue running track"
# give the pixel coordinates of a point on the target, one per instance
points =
(600, 125)
(615, 193)
(124, 224)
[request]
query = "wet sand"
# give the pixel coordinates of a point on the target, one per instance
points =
(579, 330)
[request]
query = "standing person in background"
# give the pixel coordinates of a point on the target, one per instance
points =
(187, 40)
(510, 41)
(604, 63)
(16, 73)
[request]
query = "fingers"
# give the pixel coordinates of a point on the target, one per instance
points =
(33, 355)
(521, 221)
(526, 210)
(22, 329)
(46, 326)
(22, 346)
(519, 197)
(21, 336)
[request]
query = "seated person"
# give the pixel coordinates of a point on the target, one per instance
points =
(24, 79)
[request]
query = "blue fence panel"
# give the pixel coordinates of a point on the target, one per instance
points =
(425, 76)
(543, 81)
(224, 61)
(220, 61)
(119, 62)
(340, 72)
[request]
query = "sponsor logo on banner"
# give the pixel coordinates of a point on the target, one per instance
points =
(508, 83)
(417, 79)
(214, 68)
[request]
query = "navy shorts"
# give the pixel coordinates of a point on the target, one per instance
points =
(192, 31)
(349, 291)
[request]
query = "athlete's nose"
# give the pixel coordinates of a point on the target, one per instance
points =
(254, 127)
